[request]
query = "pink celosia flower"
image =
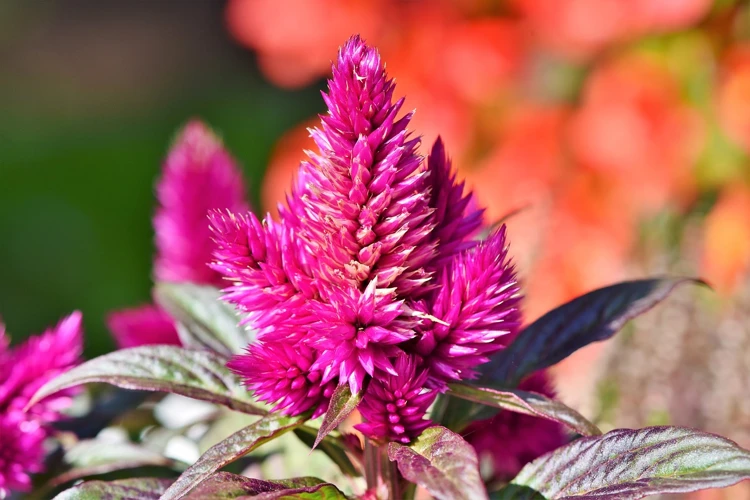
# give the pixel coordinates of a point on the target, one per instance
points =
(144, 325)
(23, 370)
(509, 440)
(371, 272)
(476, 304)
(395, 404)
(283, 374)
(198, 175)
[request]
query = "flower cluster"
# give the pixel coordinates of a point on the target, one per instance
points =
(198, 175)
(23, 370)
(372, 277)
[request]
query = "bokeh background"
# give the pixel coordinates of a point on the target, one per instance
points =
(616, 133)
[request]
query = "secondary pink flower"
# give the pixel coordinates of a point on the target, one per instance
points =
(284, 375)
(147, 324)
(23, 370)
(371, 273)
(475, 306)
(198, 175)
(394, 405)
(510, 440)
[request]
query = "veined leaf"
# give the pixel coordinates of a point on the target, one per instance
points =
(195, 374)
(223, 485)
(235, 446)
(143, 488)
(592, 317)
(204, 321)
(342, 403)
(528, 403)
(441, 462)
(629, 464)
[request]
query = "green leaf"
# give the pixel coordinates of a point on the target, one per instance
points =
(342, 403)
(204, 321)
(528, 403)
(223, 485)
(144, 488)
(441, 462)
(235, 446)
(592, 317)
(629, 464)
(332, 446)
(195, 374)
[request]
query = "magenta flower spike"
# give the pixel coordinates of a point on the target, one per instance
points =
(283, 375)
(394, 405)
(23, 370)
(361, 202)
(198, 175)
(371, 278)
(511, 440)
(475, 306)
(456, 218)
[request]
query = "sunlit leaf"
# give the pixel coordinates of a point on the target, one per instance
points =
(195, 374)
(629, 464)
(342, 403)
(223, 485)
(235, 446)
(528, 403)
(441, 462)
(204, 321)
(592, 317)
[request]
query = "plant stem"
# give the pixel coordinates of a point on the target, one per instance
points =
(381, 471)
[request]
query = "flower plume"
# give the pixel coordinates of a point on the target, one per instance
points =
(23, 370)
(198, 175)
(371, 277)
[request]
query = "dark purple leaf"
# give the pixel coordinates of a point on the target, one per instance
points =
(144, 488)
(224, 486)
(592, 317)
(343, 402)
(235, 446)
(629, 464)
(528, 403)
(204, 321)
(441, 462)
(195, 374)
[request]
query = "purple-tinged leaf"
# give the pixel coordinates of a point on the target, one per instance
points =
(629, 464)
(592, 317)
(195, 374)
(95, 456)
(235, 446)
(528, 403)
(142, 488)
(204, 321)
(441, 462)
(334, 447)
(224, 485)
(342, 403)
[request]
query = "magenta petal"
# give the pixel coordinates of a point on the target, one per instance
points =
(144, 325)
